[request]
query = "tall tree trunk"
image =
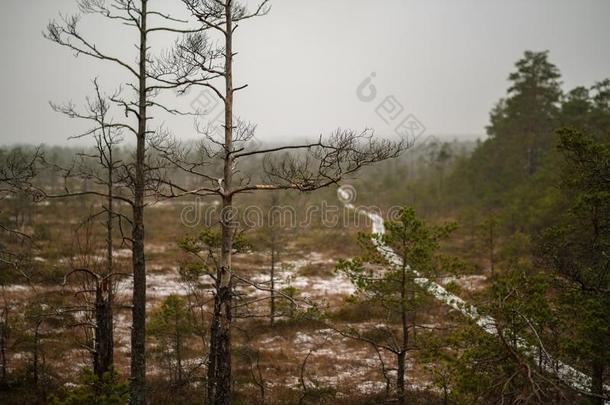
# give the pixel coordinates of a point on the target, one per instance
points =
(223, 341)
(103, 343)
(138, 336)
(400, 378)
(213, 354)
(109, 332)
(224, 293)
(104, 339)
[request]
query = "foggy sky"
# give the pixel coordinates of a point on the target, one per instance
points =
(446, 62)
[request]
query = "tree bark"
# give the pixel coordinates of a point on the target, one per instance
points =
(103, 335)
(138, 336)
(109, 331)
(224, 293)
(213, 351)
(104, 339)
(400, 377)
(223, 341)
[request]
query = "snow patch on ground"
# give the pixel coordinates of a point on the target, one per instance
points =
(473, 282)
(310, 286)
(158, 285)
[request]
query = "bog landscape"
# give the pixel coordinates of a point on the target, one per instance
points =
(159, 245)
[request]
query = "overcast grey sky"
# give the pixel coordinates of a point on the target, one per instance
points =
(446, 62)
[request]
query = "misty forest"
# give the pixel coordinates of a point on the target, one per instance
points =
(142, 265)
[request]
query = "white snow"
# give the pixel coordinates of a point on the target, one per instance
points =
(301, 338)
(158, 285)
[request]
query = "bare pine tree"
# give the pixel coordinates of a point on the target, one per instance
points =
(197, 61)
(135, 14)
(101, 168)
